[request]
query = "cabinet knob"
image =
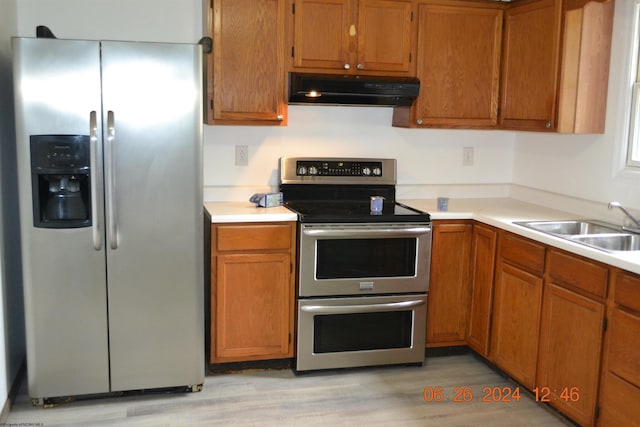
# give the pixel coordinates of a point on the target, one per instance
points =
(280, 117)
(352, 31)
(347, 66)
(548, 125)
(359, 66)
(419, 121)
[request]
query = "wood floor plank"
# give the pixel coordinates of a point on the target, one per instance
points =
(371, 396)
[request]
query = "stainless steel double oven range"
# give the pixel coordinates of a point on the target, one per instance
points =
(363, 275)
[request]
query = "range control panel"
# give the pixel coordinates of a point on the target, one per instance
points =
(338, 168)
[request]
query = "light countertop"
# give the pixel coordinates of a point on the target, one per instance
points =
(500, 213)
(247, 212)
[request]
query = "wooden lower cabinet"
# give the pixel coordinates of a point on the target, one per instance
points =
(483, 254)
(571, 332)
(252, 292)
(516, 308)
(619, 399)
(447, 305)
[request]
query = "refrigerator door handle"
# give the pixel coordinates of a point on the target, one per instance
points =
(93, 141)
(111, 181)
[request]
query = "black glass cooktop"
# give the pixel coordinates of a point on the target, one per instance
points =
(325, 211)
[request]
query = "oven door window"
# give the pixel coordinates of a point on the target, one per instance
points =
(362, 331)
(360, 258)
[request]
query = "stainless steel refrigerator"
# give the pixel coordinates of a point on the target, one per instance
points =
(109, 139)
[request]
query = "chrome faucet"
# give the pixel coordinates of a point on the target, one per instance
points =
(635, 229)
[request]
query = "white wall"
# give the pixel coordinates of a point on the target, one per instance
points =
(589, 167)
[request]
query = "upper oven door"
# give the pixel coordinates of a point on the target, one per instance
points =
(359, 259)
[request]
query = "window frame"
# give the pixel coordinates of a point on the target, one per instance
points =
(633, 144)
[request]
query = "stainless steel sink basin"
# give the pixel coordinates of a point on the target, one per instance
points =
(596, 234)
(611, 242)
(572, 227)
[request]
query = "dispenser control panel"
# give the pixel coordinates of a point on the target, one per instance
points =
(54, 153)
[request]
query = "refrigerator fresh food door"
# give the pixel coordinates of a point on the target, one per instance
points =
(153, 191)
(57, 87)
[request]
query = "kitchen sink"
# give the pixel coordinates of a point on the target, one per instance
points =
(611, 242)
(596, 234)
(571, 227)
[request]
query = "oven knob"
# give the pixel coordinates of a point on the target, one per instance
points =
(366, 171)
(313, 170)
(377, 171)
(302, 170)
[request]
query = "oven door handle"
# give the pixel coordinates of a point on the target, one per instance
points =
(365, 232)
(365, 308)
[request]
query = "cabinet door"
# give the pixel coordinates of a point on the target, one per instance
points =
(246, 71)
(515, 321)
(483, 254)
(458, 66)
(530, 65)
(447, 305)
(321, 34)
(384, 35)
(571, 332)
(253, 295)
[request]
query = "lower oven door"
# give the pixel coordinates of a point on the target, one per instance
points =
(360, 331)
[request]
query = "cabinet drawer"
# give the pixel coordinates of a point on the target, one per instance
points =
(627, 291)
(523, 253)
(624, 346)
(253, 237)
(587, 276)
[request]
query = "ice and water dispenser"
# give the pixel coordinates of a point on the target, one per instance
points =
(61, 180)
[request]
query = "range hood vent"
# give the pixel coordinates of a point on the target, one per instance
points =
(352, 90)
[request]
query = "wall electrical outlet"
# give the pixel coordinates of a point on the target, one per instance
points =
(242, 155)
(467, 156)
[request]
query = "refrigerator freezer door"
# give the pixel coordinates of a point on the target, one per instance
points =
(57, 86)
(153, 173)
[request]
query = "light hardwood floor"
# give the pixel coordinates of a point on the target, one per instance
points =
(386, 396)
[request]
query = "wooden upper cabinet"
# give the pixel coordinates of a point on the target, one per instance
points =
(320, 39)
(530, 64)
(556, 65)
(353, 37)
(384, 36)
(246, 70)
(458, 65)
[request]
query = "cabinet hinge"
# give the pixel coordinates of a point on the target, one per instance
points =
(597, 412)
(409, 57)
(289, 338)
(293, 8)
(290, 268)
(210, 4)
(211, 103)
(293, 51)
(412, 16)
(605, 323)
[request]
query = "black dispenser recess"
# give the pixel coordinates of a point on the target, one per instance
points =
(61, 181)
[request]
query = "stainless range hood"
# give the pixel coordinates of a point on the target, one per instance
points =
(352, 90)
